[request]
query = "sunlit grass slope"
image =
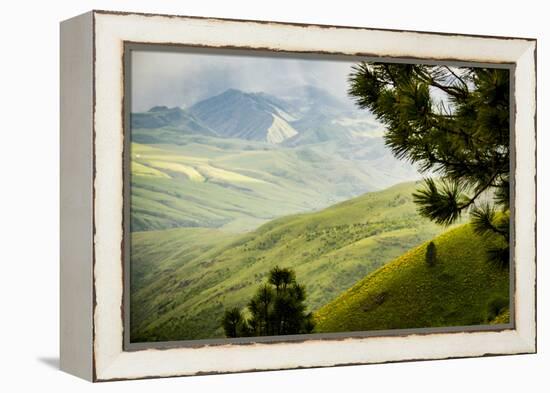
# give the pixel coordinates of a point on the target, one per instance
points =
(461, 289)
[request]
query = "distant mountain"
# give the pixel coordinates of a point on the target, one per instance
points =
(300, 116)
(175, 118)
(311, 100)
(315, 129)
(322, 118)
(249, 116)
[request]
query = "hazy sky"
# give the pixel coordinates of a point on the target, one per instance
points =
(183, 78)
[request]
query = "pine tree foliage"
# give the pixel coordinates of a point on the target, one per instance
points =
(233, 322)
(277, 308)
(453, 123)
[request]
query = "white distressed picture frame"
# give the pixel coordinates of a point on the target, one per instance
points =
(92, 143)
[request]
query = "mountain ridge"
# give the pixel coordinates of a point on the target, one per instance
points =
(177, 118)
(249, 116)
(307, 115)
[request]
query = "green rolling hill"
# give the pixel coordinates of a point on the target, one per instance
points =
(182, 279)
(461, 289)
(201, 181)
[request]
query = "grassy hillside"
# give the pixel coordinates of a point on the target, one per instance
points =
(200, 181)
(176, 119)
(462, 288)
(182, 279)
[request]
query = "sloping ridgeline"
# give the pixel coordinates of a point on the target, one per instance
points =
(183, 279)
(462, 288)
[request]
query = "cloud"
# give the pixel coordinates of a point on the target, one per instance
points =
(183, 78)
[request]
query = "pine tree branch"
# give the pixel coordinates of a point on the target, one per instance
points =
(479, 192)
(450, 90)
(457, 77)
(454, 164)
(482, 221)
(496, 230)
(388, 71)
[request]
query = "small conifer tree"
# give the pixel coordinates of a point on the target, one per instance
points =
(277, 308)
(431, 254)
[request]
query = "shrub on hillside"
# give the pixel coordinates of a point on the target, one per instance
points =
(431, 254)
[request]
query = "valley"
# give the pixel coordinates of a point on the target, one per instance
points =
(183, 279)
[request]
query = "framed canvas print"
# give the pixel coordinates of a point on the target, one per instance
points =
(248, 195)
